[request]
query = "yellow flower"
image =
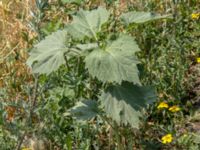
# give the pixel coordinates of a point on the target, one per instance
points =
(162, 105)
(167, 139)
(174, 108)
(195, 16)
(198, 60)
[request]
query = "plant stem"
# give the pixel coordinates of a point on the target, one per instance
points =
(21, 141)
(119, 145)
(114, 126)
(33, 100)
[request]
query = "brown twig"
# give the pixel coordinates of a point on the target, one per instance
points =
(33, 99)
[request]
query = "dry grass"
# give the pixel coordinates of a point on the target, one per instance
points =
(13, 22)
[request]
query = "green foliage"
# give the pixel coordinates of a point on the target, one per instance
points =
(49, 53)
(190, 141)
(141, 17)
(116, 63)
(96, 66)
(111, 61)
(72, 1)
(123, 102)
(85, 110)
(88, 23)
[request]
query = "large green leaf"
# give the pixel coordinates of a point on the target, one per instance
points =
(123, 103)
(116, 63)
(141, 17)
(84, 110)
(48, 55)
(88, 23)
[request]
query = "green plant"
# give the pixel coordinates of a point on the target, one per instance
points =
(100, 65)
(108, 56)
(167, 60)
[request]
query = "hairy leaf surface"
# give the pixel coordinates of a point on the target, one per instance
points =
(116, 63)
(88, 46)
(88, 23)
(141, 17)
(85, 110)
(123, 103)
(49, 53)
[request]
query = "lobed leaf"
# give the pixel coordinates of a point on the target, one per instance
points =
(84, 110)
(116, 63)
(141, 17)
(123, 103)
(48, 55)
(88, 23)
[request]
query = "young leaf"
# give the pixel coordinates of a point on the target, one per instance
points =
(123, 103)
(48, 55)
(84, 110)
(141, 17)
(116, 63)
(88, 23)
(85, 47)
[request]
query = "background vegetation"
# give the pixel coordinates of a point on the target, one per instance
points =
(33, 109)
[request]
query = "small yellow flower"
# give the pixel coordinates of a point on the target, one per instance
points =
(174, 108)
(198, 60)
(195, 16)
(167, 139)
(162, 105)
